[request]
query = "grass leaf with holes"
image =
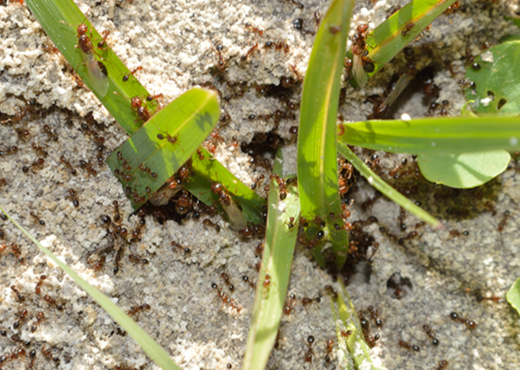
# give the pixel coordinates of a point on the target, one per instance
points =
(51, 14)
(513, 295)
(384, 188)
(317, 157)
(282, 229)
(400, 29)
(165, 142)
(149, 346)
(495, 74)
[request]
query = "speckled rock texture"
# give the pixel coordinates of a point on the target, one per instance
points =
(412, 280)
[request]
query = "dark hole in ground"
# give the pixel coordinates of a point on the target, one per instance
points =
(501, 103)
(401, 286)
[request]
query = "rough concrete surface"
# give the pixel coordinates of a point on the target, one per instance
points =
(413, 282)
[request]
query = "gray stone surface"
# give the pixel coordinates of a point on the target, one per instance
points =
(173, 42)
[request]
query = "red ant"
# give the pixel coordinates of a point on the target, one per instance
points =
(408, 346)
(408, 28)
(22, 315)
(246, 279)
(309, 354)
(125, 77)
(470, 324)
(249, 52)
(254, 29)
(72, 197)
(37, 218)
(137, 104)
(225, 299)
(20, 297)
(40, 316)
(442, 364)
(99, 263)
(287, 308)
(136, 310)
(429, 332)
(38, 288)
(209, 223)
(227, 280)
(138, 260)
(39, 150)
(328, 350)
(180, 247)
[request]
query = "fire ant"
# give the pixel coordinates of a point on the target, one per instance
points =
(470, 324)
(9, 150)
(246, 279)
(40, 316)
(209, 223)
(136, 310)
(251, 50)
(328, 350)
(17, 353)
(227, 280)
(375, 316)
(85, 165)
(223, 196)
(408, 346)
(136, 104)
(98, 264)
(41, 280)
(17, 251)
(117, 214)
(22, 315)
(180, 247)
(51, 135)
(35, 166)
(72, 197)
(307, 301)
(481, 298)
(287, 308)
(429, 332)
(225, 299)
(255, 183)
(37, 218)
(331, 291)
(309, 354)
(138, 260)
(39, 150)
(254, 29)
(408, 28)
(126, 77)
(503, 222)
(20, 296)
(171, 139)
(442, 364)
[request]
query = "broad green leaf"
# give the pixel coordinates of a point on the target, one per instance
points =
(149, 346)
(51, 14)
(317, 158)
(282, 229)
(402, 28)
(497, 81)
(463, 171)
(207, 170)
(436, 135)
(154, 153)
(355, 341)
(384, 188)
(513, 295)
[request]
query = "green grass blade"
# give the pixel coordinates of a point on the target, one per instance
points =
(149, 346)
(317, 157)
(384, 188)
(356, 344)
(387, 39)
(208, 170)
(277, 260)
(49, 13)
(447, 135)
(343, 355)
(164, 143)
(513, 295)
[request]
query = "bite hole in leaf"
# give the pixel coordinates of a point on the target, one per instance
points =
(501, 103)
